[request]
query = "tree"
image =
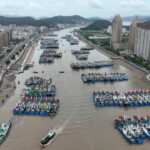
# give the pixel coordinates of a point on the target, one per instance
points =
(13, 57)
(7, 62)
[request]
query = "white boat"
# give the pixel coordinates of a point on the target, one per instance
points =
(4, 128)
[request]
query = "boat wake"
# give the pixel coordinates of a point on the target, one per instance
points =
(60, 129)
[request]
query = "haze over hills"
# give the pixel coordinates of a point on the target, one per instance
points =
(44, 21)
(96, 18)
(76, 19)
(131, 18)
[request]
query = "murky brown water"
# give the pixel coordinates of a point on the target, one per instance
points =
(79, 124)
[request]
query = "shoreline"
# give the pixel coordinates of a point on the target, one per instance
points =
(141, 74)
(8, 85)
(7, 89)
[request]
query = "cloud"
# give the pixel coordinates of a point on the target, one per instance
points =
(21, 6)
(95, 4)
(61, 5)
(6, 7)
(34, 6)
(133, 3)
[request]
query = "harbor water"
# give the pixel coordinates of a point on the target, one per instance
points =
(78, 123)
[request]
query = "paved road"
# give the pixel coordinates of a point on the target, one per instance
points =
(16, 49)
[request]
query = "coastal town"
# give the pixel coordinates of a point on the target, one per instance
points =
(75, 85)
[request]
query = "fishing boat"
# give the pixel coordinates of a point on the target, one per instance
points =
(46, 140)
(35, 72)
(74, 52)
(87, 48)
(135, 129)
(4, 129)
(115, 98)
(82, 57)
(96, 64)
(98, 77)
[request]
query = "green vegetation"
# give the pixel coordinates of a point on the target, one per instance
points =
(93, 31)
(7, 62)
(49, 22)
(125, 39)
(139, 61)
(13, 57)
(9, 50)
(105, 43)
(22, 48)
(111, 50)
(17, 53)
(98, 25)
(1, 57)
(86, 33)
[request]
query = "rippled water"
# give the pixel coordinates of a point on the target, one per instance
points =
(79, 125)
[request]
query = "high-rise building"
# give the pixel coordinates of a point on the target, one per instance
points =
(4, 39)
(142, 41)
(116, 36)
(133, 33)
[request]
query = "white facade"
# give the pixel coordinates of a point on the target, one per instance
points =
(142, 43)
(116, 36)
(109, 29)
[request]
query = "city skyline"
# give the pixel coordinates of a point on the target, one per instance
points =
(86, 8)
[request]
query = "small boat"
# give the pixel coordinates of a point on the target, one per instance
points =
(61, 72)
(4, 128)
(46, 140)
(35, 72)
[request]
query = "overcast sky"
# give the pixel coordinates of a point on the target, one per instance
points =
(85, 8)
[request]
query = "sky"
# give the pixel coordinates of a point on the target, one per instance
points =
(85, 8)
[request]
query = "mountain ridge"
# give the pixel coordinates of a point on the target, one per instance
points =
(75, 19)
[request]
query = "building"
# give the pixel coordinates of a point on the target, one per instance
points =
(109, 29)
(116, 36)
(4, 39)
(142, 41)
(132, 33)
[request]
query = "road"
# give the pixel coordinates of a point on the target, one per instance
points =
(14, 51)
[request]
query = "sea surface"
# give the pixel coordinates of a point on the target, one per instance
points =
(78, 123)
(127, 23)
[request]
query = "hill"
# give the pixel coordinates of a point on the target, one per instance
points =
(65, 20)
(148, 21)
(98, 25)
(45, 21)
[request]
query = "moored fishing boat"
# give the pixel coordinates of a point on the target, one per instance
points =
(87, 48)
(46, 60)
(74, 52)
(4, 129)
(96, 64)
(82, 57)
(46, 140)
(115, 98)
(38, 98)
(135, 129)
(98, 77)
